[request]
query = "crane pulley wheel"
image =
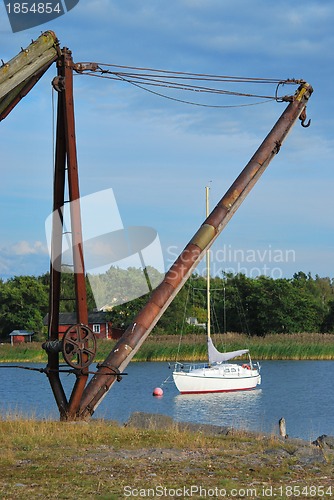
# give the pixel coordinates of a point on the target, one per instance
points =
(79, 346)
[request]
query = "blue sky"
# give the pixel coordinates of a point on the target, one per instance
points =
(157, 155)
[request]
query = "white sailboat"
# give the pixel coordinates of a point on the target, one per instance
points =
(218, 375)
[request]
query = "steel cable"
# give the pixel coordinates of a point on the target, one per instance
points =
(176, 80)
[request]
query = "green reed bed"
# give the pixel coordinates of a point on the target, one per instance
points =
(294, 346)
(271, 347)
(28, 353)
(192, 347)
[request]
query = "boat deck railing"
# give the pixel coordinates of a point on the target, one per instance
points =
(188, 367)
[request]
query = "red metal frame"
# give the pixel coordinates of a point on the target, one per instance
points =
(66, 161)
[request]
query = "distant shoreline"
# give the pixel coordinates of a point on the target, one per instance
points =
(192, 347)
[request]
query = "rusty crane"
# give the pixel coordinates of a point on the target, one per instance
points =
(78, 346)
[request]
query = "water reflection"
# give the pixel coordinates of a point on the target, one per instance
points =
(232, 409)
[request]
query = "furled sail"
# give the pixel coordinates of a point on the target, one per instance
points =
(218, 357)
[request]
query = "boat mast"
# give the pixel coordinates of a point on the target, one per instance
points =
(208, 302)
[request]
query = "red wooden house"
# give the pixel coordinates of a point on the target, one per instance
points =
(98, 322)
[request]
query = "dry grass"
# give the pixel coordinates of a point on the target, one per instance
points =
(102, 460)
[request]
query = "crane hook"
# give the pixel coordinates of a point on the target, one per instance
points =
(302, 117)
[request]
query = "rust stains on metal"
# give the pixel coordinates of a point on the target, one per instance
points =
(66, 168)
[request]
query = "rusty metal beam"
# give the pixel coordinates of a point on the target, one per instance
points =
(160, 299)
(77, 244)
(66, 161)
(56, 250)
(73, 184)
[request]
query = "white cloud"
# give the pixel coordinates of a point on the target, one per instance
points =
(27, 248)
(24, 258)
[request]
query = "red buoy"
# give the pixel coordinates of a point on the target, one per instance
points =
(158, 392)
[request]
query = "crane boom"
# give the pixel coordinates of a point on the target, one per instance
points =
(139, 329)
(19, 75)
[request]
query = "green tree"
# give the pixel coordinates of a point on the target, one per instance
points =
(234, 304)
(23, 304)
(328, 322)
(67, 291)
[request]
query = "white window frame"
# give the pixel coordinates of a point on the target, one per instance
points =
(96, 328)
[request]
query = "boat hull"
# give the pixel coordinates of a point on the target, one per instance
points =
(227, 378)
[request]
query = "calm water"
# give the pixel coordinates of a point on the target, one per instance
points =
(300, 391)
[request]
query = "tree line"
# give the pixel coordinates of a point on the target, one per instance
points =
(256, 306)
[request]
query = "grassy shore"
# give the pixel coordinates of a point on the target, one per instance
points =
(106, 461)
(193, 348)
